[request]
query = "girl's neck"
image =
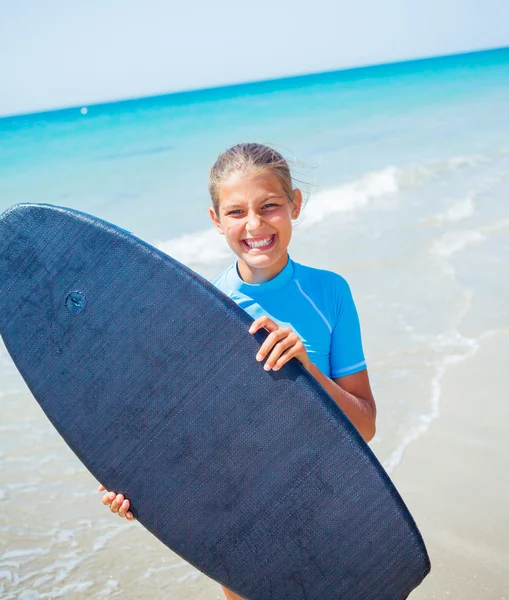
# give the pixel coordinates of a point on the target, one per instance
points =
(253, 275)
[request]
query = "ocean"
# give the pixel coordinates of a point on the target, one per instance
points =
(405, 170)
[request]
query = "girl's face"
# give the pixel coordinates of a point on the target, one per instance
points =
(255, 216)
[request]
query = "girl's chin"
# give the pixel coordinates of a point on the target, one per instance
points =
(261, 261)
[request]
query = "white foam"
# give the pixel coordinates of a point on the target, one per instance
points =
(111, 587)
(32, 552)
(495, 227)
(65, 536)
(189, 575)
(28, 595)
(204, 247)
(350, 196)
(155, 570)
(61, 569)
(454, 241)
(463, 209)
(418, 428)
(102, 540)
(10, 563)
(79, 588)
(419, 174)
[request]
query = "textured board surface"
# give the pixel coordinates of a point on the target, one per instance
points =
(148, 373)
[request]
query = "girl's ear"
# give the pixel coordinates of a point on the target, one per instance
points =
(296, 204)
(215, 220)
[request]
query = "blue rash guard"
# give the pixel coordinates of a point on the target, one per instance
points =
(316, 304)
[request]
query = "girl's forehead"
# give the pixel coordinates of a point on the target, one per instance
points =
(247, 186)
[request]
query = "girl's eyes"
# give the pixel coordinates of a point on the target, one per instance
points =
(239, 211)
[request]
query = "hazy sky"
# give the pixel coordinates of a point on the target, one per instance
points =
(56, 53)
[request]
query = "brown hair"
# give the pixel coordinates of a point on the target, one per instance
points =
(248, 158)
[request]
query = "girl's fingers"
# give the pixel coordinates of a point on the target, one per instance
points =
(108, 498)
(278, 352)
(124, 507)
(285, 357)
(282, 344)
(263, 322)
(271, 342)
(101, 488)
(117, 503)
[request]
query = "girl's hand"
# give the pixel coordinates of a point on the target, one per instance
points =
(117, 503)
(281, 345)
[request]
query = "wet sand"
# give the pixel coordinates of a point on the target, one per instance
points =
(455, 480)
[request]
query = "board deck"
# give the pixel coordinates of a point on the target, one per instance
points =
(148, 372)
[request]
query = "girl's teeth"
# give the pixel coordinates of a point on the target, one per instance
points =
(261, 243)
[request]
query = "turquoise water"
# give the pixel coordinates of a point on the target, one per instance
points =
(406, 169)
(149, 158)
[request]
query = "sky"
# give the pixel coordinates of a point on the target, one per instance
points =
(59, 53)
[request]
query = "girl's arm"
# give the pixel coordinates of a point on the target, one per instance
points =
(352, 393)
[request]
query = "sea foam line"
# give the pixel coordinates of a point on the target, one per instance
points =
(453, 341)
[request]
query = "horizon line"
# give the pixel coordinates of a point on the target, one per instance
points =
(245, 84)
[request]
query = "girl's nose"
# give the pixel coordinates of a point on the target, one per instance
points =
(253, 220)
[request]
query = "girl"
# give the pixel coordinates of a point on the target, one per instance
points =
(309, 313)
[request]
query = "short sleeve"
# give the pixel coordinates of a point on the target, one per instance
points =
(347, 354)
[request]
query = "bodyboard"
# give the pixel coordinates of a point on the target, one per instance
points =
(147, 371)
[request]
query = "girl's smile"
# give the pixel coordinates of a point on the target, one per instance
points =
(260, 243)
(255, 216)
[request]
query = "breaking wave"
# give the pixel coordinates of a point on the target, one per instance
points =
(206, 246)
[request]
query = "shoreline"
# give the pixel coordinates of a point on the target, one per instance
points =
(454, 480)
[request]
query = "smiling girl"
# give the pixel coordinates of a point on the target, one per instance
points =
(309, 313)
